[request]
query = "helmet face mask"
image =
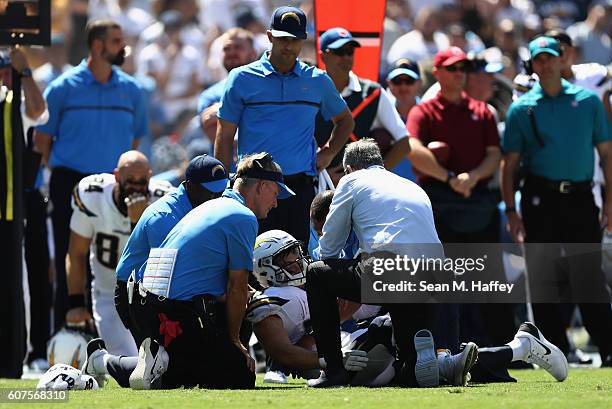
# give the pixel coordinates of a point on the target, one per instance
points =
(270, 249)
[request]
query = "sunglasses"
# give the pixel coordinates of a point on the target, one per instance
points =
(455, 68)
(343, 52)
(405, 80)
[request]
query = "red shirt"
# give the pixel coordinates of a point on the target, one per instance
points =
(467, 127)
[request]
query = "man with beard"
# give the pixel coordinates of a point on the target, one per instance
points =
(96, 112)
(106, 207)
(238, 50)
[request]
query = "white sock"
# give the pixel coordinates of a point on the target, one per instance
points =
(520, 349)
(99, 363)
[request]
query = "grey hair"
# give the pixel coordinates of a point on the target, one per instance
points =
(362, 154)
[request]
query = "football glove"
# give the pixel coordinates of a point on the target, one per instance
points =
(354, 360)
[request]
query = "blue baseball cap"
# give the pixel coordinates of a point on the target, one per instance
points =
(207, 172)
(404, 66)
(335, 38)
(544, 44)
(288, 21)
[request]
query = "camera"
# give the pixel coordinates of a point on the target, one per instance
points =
(25, 22)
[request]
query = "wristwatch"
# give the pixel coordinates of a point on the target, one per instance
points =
(450, 175)
(26, 73)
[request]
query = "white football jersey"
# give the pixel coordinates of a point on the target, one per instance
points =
(289, 303)
(96, 216)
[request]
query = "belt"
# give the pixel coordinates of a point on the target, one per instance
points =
(559, 186)
(298, 178)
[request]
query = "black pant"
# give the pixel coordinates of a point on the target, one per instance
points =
(37, 261)
(202, 354)
(553, 217)
(293, 214)
(62, 182)
(332, 278)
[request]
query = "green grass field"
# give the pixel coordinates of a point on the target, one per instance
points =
(584, 388)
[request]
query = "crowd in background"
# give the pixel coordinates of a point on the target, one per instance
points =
(177, 49)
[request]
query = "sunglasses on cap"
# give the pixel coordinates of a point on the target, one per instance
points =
(403, 80)
(455, 68)
(341, 52)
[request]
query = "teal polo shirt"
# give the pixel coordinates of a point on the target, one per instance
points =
(92, 123)
(276, 112)
(570, 125)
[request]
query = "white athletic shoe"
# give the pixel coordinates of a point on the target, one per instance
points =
(152, 363)
(275, 377)
(95, 348)
(455, 369)
(426, 368)
(543, 353)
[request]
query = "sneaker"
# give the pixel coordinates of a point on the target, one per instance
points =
(543, 353)
(426, 368)
(454, 369)
(95, 348)
(275, 377)
(328, 379)
(152, 363)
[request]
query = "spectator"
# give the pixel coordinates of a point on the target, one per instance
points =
(557, 124)
(422, 42)
(175, 66)
(238, 50)
(258, 101)
(375, 106)
(97, 112)
(592, 37)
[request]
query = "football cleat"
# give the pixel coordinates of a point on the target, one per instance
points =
(543, 353)
(328, 379)
(454, 369)
(95, 348)
(275, 377)
(152, 363)
(426, 368)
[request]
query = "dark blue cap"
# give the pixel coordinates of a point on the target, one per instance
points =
(335, 38)
(208, 172)
(288, 21)
(404, 66)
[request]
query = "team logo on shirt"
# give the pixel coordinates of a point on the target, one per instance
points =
(474, 117)
(574, 104)
(291, 15)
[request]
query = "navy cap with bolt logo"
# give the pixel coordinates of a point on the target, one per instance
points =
(288, 21)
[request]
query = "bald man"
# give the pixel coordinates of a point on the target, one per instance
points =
(105, 209)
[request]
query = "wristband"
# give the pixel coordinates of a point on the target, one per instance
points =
(76, 301)
(510, 209)
(322, 363)
(450, 175)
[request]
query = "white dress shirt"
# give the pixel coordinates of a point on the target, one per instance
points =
(386, 211)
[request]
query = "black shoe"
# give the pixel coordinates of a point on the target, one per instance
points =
(328, 379)
(607, 363)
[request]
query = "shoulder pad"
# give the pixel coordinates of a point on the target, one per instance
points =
(262, 306)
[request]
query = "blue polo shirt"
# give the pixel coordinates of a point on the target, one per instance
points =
(211, 95)
(276, 112)
(92, 123)
(570, 125)
(217, 236)
(152, 228)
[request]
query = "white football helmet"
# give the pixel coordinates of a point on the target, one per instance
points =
(269, 245)
(62, 377)
(67, 347)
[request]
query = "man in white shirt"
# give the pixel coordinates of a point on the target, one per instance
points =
(405, 227)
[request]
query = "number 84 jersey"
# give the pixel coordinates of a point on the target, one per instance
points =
(96, 216)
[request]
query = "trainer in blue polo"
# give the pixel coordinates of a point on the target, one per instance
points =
(205, 179)
(92, 123)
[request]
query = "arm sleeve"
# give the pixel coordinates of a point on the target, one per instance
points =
(513, 139)
(141, 123)
(80, 223)
(241, 237)
(389, 118)
(417, 125)
(332, 103)
(602, 131)
(54, 96)
(232, 103)
(338, 223)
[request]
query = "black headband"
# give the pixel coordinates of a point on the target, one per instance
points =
(261, 174)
